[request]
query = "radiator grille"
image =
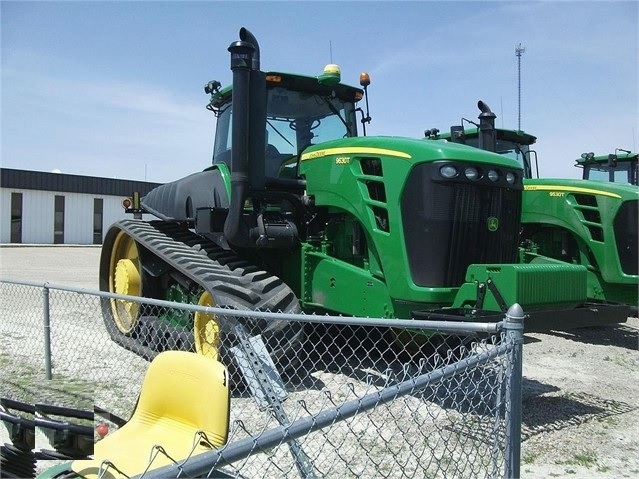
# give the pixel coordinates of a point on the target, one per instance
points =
(449, 225)
(626, 225)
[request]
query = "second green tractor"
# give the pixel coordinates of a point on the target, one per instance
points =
(573, 221)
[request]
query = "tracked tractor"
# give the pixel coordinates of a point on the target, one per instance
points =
(574, 221)
(298, 212)
(616, 167)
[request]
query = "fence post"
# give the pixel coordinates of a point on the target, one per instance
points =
(514, 329)
(47, 332)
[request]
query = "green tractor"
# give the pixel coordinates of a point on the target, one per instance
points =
(299, 213)
(615, 167)
(576, 221)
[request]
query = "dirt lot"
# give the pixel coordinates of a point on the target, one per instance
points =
(580, 403)
(580, 389)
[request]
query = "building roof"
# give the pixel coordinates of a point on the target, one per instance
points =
(41, 180)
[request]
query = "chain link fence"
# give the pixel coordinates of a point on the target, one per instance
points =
(311, 396)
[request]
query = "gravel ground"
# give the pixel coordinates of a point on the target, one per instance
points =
(580, 403)
(580, 389)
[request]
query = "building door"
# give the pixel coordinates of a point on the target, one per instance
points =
(16, 217)
(58, 221)
(98, 205)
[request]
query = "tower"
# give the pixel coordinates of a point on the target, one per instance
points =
(519, 50)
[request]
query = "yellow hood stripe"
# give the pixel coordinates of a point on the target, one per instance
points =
(354, 150)
(570, 189)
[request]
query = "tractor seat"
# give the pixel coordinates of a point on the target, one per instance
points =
(182, 394)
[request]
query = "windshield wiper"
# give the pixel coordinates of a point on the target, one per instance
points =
(335, 111)
(278, 132)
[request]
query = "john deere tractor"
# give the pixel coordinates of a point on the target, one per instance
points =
(297, 212)
(575, 221)
(615, 167)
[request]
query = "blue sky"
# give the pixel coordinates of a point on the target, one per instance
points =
(115, 89)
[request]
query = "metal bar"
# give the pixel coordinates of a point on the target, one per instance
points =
(440, 326)
(18, 405)
(67, 426)
(514, 330)
(203, 464)
(497, 420)
(64, 411)
(302, 461)
(589, 314)
(47, 331)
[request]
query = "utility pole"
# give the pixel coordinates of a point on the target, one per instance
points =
(519, 50)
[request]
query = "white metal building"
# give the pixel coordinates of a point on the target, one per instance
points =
(37, 207)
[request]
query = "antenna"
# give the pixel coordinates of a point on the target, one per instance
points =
(519, 50)
(330, 49)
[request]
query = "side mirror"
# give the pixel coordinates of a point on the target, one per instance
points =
(457, 134)
(612, 161)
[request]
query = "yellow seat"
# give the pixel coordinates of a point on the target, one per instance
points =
(182, 393)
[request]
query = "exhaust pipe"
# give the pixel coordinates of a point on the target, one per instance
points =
(243, 58)
(257, 116)
(487, 135)
(248, 37)
(248, 144)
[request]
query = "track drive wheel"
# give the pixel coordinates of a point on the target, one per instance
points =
(206, 330)
(125, 277)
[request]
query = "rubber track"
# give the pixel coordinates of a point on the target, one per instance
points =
(231, 281)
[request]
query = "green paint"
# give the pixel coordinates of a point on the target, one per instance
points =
(177, 317)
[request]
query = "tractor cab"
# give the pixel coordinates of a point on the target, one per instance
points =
(617, 167)
(300, 111)
(514, 144)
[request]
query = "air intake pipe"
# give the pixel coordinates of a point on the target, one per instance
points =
(487, 135)
(243, 59)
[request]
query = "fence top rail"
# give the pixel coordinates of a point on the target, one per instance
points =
(440, 326)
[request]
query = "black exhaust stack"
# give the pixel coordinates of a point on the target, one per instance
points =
(243, 59)
(248, 148)
(487, 135)
(257, 116)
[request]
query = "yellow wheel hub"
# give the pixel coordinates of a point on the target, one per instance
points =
(206, 330)
(125, 278)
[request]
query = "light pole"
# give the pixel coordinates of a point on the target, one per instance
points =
(519, 50)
